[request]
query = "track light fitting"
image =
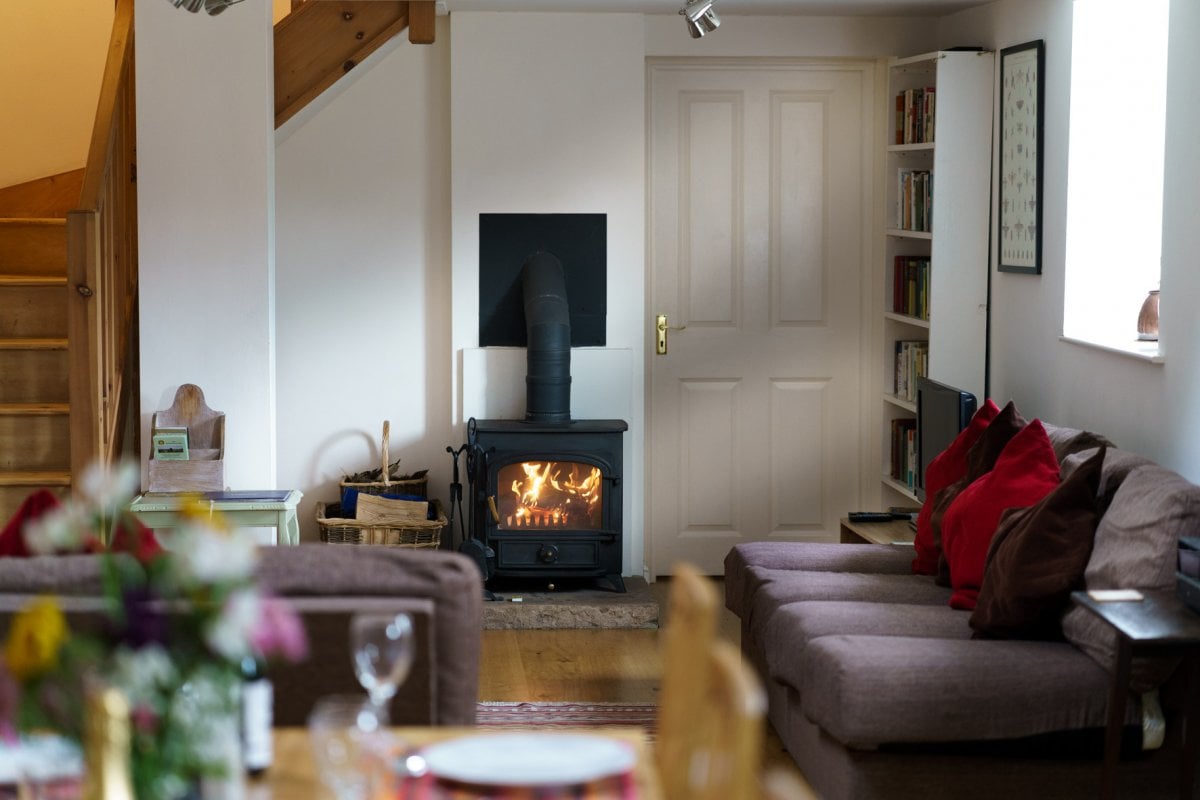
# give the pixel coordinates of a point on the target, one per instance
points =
(213, 7)
(700, 16)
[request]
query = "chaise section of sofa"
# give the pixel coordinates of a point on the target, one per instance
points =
(879, 689)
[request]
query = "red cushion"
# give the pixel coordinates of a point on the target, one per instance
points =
(1025, 472)
(946, 468)
(1037, 559)
(12, 541)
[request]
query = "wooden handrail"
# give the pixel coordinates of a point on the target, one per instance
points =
(102, 266)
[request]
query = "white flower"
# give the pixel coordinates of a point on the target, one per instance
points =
(109, 490)
(143, 673)
(203, 700)
(203, 554)
(65, 528)
(230, 634)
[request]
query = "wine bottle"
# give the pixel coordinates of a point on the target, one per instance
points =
(257, 701)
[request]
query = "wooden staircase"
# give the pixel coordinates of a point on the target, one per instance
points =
(52, 398)
(34, 395)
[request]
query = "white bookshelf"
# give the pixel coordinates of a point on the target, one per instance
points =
(959, 163)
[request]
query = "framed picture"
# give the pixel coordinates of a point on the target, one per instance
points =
(1022, 84)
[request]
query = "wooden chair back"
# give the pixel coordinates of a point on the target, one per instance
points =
(689, 631)
(726, 759)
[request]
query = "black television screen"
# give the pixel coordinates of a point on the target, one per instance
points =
(942, 412)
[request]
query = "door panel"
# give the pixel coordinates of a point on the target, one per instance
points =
(759, 200)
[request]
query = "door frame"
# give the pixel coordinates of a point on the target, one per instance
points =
(875, 114)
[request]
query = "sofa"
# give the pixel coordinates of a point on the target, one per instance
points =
(879, 687)
(326, 584)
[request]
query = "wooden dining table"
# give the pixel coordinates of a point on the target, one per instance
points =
(293, 774)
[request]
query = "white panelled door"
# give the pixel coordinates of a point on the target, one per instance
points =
(760, 197)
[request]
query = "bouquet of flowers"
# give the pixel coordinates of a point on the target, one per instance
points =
(177, 626)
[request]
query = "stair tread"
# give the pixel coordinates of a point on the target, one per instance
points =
(34, 409)
(49, 222)
(35, 478)
(33, 280)
(33, 344)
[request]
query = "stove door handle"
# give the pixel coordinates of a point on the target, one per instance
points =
(491, 501)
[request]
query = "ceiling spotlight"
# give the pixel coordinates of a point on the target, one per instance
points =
(701, 17)
(213, 7)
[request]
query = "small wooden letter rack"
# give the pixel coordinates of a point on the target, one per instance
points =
(204, 471)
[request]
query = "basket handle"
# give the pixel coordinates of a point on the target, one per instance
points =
(387, 434)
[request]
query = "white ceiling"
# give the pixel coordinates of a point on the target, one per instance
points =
(827, 8)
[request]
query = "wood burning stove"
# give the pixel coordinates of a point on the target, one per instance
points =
(548, 497)
(546, 493)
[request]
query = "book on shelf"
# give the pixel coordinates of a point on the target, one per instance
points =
(911, 362)
(910, 286)
(914, 196)
(902, 466)
(915, 113)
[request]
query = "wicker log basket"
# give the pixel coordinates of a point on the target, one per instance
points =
(414, 485)
(407, 530)
(410, 533)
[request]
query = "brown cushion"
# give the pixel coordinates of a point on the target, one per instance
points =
(1117, 466)
(1136, 547)
(1037, 558)
(983, 454)
(1069, 441)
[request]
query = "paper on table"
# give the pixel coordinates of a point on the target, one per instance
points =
(1115, 595)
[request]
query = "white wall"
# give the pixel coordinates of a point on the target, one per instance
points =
(363, 287)
(791, 37)
(51, 63)
(205, 218)
(1143, 407)
(379, 195)
(548, 115)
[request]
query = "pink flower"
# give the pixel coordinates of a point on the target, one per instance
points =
(144, 719)
(279, 631)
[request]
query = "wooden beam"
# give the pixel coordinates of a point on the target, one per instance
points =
(422, 21)
(321, 41)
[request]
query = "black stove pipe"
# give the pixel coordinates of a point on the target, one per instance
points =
(548, 340)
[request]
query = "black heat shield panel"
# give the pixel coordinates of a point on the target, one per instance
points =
(579, 241)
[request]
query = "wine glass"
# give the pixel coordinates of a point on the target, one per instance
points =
(339, 727)
(382, 645)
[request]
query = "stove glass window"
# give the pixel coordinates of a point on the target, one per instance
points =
(540, 495)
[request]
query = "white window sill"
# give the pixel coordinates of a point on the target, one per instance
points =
(1141, 351)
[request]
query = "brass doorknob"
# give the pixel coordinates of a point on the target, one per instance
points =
(661, 327)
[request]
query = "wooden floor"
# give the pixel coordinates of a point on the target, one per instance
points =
(599, 666)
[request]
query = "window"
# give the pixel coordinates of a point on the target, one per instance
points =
(1115, 169)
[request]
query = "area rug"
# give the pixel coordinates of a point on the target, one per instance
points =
(578, 605)
(493, 714)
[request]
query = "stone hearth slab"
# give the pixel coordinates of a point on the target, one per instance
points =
(579, 605)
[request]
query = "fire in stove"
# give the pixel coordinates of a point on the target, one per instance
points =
(550, 495)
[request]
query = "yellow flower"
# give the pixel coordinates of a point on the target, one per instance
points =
(194, 508)
(37, 634)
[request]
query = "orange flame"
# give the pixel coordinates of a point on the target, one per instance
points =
(552, 494)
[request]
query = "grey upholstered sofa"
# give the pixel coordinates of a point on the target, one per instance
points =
(327, 584)
(878, 690)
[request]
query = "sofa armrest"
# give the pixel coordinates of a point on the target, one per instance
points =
(745, 560)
